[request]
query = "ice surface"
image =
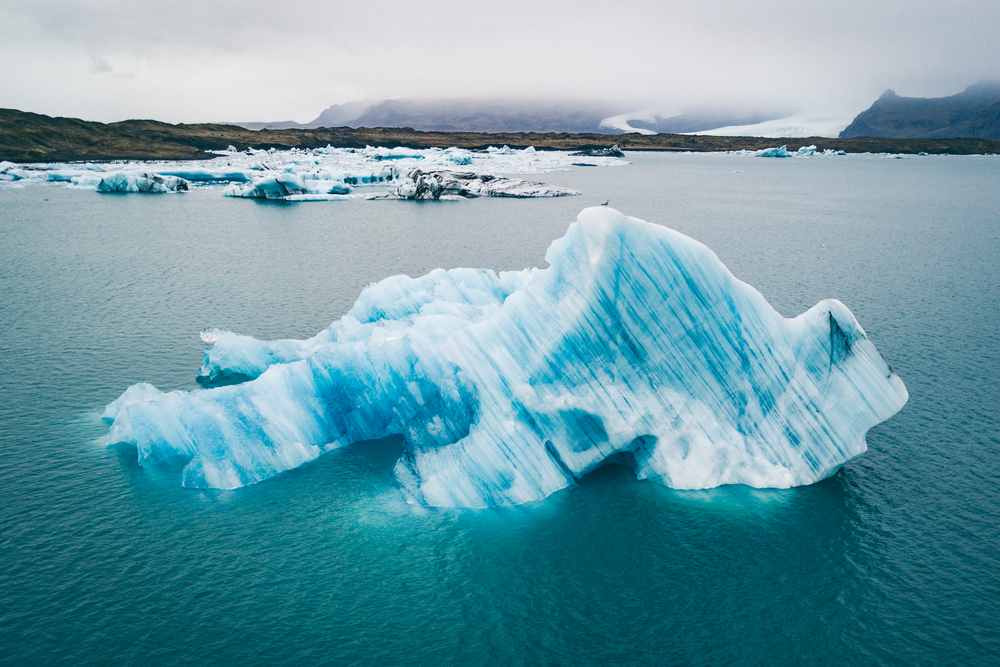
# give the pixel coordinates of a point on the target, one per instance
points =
(140, 182)
(781, 151)
(290, 186)
(449, 184)
(614, 151)
(636, 345)
(207, 176)
(10, 172)
(800, 126)
(621, 123)
(256, 171)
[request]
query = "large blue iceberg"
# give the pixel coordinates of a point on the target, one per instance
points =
(636, 345)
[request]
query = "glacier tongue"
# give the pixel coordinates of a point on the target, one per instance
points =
(636, 345)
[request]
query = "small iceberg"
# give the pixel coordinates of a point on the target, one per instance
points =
(444, 184)
(139, 182)
(781, 151)
(614, 151)
(287, 186)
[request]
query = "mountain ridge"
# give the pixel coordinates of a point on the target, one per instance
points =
(973, 113)
(31, 137)
(517, 115)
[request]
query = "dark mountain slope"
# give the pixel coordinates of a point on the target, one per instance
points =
(974, 113)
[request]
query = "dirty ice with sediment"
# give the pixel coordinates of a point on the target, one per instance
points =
(322, 174)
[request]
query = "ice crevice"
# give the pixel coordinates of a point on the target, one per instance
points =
(635, 345)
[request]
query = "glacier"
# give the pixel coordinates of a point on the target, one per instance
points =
(636, 345)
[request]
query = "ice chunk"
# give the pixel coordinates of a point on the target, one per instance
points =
(806, 151)
(775, 152)
(446, 184)
(9, 171)
(636, 345)
(289, 186)
(458, 156)
(351, 167)
(272, 186)
(140, 182)
(399, 153)
(614, 151)
(207, 176)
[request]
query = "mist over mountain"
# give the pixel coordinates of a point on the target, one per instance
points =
(973, 113)
(518, 115)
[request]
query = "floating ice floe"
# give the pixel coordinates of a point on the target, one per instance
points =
(10, 171)
(208, 176)
(289, 186)
(614, 151)
(636, 345)
(782, 151)
(448, 184)
(140, 182)
(354, 167)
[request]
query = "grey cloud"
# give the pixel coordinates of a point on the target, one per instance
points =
(274, 61)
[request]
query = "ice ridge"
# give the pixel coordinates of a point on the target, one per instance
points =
(635, 345)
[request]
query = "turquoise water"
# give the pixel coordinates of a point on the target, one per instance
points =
(894, 560)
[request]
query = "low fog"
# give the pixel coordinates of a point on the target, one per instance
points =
(265, 61)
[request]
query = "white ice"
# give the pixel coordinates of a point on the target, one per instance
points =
(793, 127)
(134, 181)
(450, 184)
(636, 345)
(621, 123)
(257, 173)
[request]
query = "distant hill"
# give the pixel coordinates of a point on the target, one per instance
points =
(498, 115)
(974, 113)
(30, 137)
(513, 115)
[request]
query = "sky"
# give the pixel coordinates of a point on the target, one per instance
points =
(182, 61)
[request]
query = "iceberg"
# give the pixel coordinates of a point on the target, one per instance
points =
(10, 172)
(207, 176)
(636, 345)
(781, 151)
(426, 184)
(458, 156)
(140, 182)
(371, 166)
(289, 186)
(614, 151)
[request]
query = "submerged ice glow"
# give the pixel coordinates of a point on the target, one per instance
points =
(636, 345)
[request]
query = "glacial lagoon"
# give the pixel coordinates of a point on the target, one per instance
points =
(892, 560)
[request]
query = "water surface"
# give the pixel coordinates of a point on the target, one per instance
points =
(893, 561)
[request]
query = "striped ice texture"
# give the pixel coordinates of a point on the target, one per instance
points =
(636, 346)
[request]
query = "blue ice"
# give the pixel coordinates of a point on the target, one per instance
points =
(635, 345)
(781, 151)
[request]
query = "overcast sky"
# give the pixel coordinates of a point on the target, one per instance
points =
(182, 61)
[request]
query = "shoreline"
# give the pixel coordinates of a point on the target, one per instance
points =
(29, 137)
